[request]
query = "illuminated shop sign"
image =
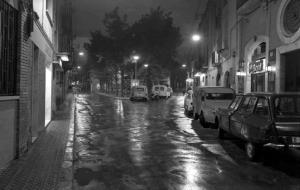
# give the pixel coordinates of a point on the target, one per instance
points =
(257, 66)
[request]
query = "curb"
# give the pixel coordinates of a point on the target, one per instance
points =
(67, 167)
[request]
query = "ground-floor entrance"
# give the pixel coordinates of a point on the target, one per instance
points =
(290, 71)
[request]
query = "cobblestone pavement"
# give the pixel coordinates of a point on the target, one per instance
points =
(40, 169)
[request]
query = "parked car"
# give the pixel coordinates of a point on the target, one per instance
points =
(206, 102)
(161, 91)
(169, 92)
(139, 93)
(188, 103)
(262, 119)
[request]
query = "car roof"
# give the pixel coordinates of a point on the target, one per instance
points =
(272, 94)
(139, 86)
(212, 89)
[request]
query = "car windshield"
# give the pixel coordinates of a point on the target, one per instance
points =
(156, 88)
(219, 96)
(287, 106)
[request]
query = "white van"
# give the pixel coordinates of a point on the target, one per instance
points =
(161, 91)
(139, 93)
(206, 101)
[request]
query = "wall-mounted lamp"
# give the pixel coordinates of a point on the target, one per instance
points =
(64, 56)
(240, 73)
(271, 68)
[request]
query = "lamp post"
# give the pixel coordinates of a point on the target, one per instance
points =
(135, 59)
(195, 39)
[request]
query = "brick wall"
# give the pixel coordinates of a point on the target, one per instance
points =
(24, 79)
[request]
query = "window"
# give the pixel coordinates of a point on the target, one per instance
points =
(219, 96)
(248, 104)
(287, 106)
(8, 49)
(236, 102)
(262, 108)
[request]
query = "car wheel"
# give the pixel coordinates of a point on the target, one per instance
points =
(252, 151)
(221, 133)
(202, 120)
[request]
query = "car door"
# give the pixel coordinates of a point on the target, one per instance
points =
(256, 124)
(225, 115)
(237, 119)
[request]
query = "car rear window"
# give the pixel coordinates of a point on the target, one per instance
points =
(219, 96)
(156, 88)
(162, 88)
(287, 106)
(140, 89)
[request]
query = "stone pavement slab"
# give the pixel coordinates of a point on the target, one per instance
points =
(40, 169)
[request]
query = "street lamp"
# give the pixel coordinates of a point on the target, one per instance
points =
(81, 53)
(146, 65)
(78, 67)
(196, 37)
(135, 59)
(183, 65)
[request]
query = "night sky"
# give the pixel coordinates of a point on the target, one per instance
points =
(88, 14)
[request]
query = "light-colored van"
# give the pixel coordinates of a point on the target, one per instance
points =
(139, 93)
(207, 100)
(161, 91)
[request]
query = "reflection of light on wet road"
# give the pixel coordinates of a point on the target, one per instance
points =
(192, 175)
(138, 134)
(119, 107)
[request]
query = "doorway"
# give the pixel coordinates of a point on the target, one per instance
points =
(291, 73)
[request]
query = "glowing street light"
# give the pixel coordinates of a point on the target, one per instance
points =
(196, 37)
(136, 57)
(183, 65)
(81, 53)
(78, 67)
(146, 65)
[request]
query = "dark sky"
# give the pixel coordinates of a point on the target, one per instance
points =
(88, 14)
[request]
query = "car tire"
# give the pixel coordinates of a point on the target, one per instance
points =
(252, 151)
(221, 133)
(202, 120)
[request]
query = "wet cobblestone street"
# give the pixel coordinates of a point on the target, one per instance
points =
(152, 145)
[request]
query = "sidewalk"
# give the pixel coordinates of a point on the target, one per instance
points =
(41, 168)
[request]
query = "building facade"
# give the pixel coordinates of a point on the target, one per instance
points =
(252, 46)
(29, 54)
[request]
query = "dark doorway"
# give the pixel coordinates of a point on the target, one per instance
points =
(292, 74)
(258, 82)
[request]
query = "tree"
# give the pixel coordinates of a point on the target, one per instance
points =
(156, 37)
(107, 49)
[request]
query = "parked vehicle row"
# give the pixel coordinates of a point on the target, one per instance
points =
(262, 119)
(259, 119)
(158, 91)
